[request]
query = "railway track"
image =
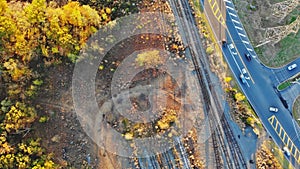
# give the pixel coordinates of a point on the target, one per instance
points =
(226, 149)
(222, 137)
(174, 158)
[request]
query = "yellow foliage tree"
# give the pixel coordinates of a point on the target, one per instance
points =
(169, 116)
(209, 50)
(26, 27)
(228, 79)
(149, 58)
(18, 117)
(16, 69)
(27, 154)
(239, 97)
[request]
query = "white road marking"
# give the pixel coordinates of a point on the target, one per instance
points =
(249, 49)
(232, 14)
(242, 35)
(238, 28)
(245, 42)
(233, 20)
(228, 7)
(237, 66)
(227, 1)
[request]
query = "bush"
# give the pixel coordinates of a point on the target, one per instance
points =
(239, 97)
(250, 121)
(209, 50)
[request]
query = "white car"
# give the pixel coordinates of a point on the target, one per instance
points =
(273, 109)
(286, 151)
(293, 66)
(242, 77)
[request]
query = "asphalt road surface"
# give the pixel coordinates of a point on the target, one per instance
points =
(260, 89)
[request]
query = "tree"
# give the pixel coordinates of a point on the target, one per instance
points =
(169, 116)
(27, 29)
(228, 79)
(69, 28)
(250, 121)
(27, 154)
(239, 97)
(19, 117)
(209, 50)
(149, 59)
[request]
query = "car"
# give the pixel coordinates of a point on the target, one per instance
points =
(224, 42)
(273, 109)
(286, 151)
(231, 46)
(243, 78)
(293, 66)
(248, 57)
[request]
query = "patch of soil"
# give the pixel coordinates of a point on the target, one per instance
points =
(62, 133)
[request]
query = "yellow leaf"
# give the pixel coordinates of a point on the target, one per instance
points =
(108, 10)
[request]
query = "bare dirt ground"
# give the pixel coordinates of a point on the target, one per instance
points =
(63, 135)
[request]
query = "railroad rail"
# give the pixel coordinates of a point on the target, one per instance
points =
(174, 158)
(222, 132)
(224, 142)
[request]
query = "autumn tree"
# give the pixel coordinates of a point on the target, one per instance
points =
(29, 28)
(149, 59)
(113, 9)
(19, 117)
(27, 154)
(239, 97)
(69, 28)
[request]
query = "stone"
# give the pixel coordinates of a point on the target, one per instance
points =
(55, 138)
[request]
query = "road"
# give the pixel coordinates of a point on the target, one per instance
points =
(260, 89)
(214, 108)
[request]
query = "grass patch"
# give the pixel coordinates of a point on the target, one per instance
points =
(296, 110)
(276, 1)
(289, 46)
(289, 82)
(284, 85)
(293, 18)
(197, 5)
(258, 50)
